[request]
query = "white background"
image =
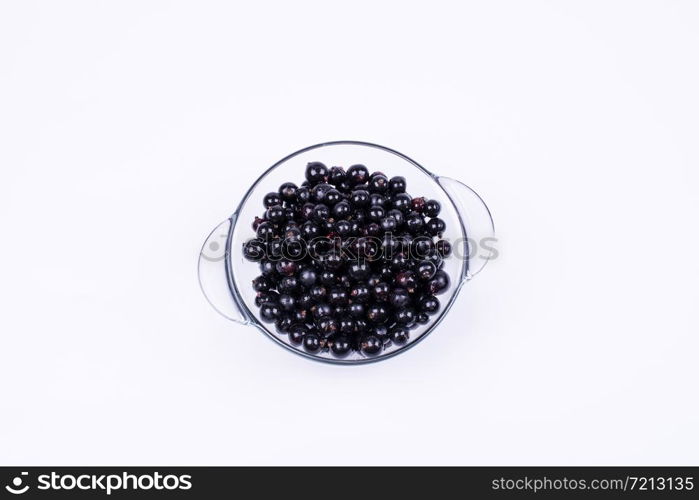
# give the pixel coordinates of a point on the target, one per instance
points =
(129, 129)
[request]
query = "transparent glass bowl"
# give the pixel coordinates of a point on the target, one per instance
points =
(225, 275)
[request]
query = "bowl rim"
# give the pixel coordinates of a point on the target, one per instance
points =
(253, 321)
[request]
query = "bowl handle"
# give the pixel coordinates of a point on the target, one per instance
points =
(213, 276)
(478, 247)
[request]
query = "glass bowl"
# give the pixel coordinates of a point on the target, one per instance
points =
(225, 275)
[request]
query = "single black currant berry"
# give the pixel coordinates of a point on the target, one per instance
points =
(287, 302)
(399, 335)
(443, 247)
(377, 314)
(336, 176)
(381, 292)
(426, 270)
(429, 304)
(262, 284)
(327, 325)
(432, 208)
(405, 316)
(422, 319)
(286, 267)
(356, 310)
(376, 213)
(338, 296)
(320, 191)
(289, 284)
(402, 202)
(371, 345)
(414, 222)
(381, 332)
(357, 174)
(360, 198)
(397, 184)
(311, 342)
(271, 199)
(346, 325)
(316, 172)
(297, 332)
(321, 310)
(439, 283)
(265, 230)
(287, 192)
(321, 212)
(360, 293)
(254, 250)
(399, 298)
(342, 209)
(303, 194)
(275, 214)
(308, 277)
(318, 292)
(340, 346)
(358, 270)
(378, 200)
(389, 224)
(283, 323)
(418, 204)
(269, 311)
(378, 183)
(436, 226)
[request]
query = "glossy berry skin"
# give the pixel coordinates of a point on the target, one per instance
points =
(265, 230)
(443, 248)
(432, 208)
(402, 202)
(308, 277)
(436, 226)
(429, 304)
(426, 270)
(399, 298)
(287, 302)
(269, 311)
(271, 199)
(275, 214)
(360, 198)
(311, 342)
(356, 310)
(405, 316)
(342, 209)
(381, 332)
(422, 319)
(399, 335)
(357, 174)
(316, 172)
(371, 345)
(286, 267)
(381, 292)
(337, 176)
(397, 184)
(340, 346)
(283, 323)
(360, 293)
(296, 333)
(327, 325)
(287, 191)
(254, 250)
(377, 314)
(321, 310)
(439, 283)
(378, 184)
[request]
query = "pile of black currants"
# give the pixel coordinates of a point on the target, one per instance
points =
(349, 261)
